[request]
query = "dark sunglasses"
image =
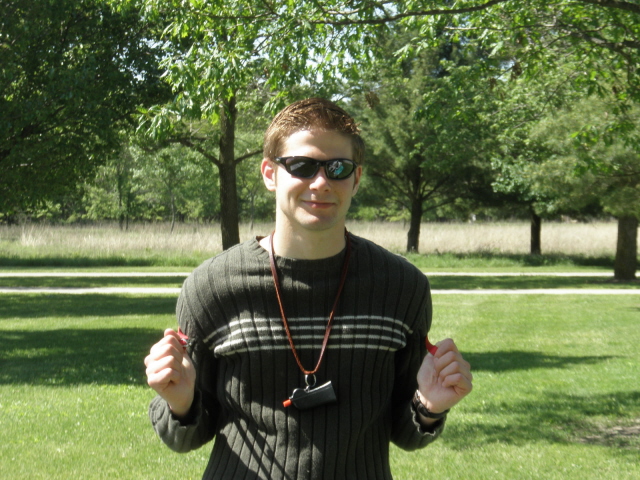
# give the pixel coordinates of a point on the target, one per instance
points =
(305, 167)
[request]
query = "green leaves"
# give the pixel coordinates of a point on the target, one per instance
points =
(585, 164)
(72, 72)
(426, 129)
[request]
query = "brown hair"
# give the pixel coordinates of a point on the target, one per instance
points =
(312, 114)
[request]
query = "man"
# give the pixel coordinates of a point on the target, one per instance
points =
(306, 349)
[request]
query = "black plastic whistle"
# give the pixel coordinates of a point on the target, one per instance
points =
(306, 398)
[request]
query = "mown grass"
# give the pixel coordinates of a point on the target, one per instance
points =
(555, 377)
(556, 393)
(438, 282)
(72, 391)
(555, 389)
(462, 282)
(508, 262)
(471, 262)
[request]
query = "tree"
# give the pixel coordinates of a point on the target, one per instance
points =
(427, 132)
(591, 45)
(111, 192)
(524, 102)
(72, 72)
(256, 202)
(171, 183)
(215, 140)
(594, 166)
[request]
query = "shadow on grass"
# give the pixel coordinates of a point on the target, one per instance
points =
(91, 282)
(76, 356)
(153, 260)
(522, 360)
(482, 259)
(76, 262)
(525, 282)
(41, 306)
(512, 260)
(554, 417)
(550, 260)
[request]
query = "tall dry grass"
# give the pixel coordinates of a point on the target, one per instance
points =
(588, 239)
(107, 240)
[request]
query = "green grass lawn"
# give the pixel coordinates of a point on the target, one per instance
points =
(556, 392)
(438, 282)
(505, 262)
(556, 389)
(73, 398)
(521, 282)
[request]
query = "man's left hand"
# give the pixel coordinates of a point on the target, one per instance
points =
(444, 378)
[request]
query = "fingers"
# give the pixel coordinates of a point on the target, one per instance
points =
(171, 373)
(165, 362)
(455, 372)
(449, 361)
(445, 378)
(459, 383)
(452, 363)
(169, 345)
(444, 346)
(173, 337)
(159, 381)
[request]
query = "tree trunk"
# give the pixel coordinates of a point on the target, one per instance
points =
(627, 249)
(120, 201)
(536, 227)
(227, 167)
(173, 211)
(252, 211)
(413, 237)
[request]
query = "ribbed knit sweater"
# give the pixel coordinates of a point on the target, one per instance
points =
(246, 369)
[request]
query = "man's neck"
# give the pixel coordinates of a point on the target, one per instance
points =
(307, 245)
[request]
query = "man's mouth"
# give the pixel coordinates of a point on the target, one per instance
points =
(317, 204)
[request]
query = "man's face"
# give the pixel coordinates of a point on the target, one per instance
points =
(317, 203)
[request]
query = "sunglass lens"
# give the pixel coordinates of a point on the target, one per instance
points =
(334, 169)
(302, 167)
(339, 169)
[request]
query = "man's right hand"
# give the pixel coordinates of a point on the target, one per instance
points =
(171, 373)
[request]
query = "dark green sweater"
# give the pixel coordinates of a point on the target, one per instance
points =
(246, 369)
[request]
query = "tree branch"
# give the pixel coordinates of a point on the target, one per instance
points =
(613, 46)
(247, 155)
(198, 148)
(399, 16)
(616, 4)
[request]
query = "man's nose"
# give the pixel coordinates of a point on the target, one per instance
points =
(320, 181)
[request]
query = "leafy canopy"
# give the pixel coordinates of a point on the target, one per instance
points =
(71, 72)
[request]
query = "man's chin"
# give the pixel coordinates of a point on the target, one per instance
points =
(318, 222)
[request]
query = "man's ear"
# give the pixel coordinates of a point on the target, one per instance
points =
(357, 174)
(268, 169)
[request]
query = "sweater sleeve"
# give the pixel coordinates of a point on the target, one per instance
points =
(407, 432)
(199, 426)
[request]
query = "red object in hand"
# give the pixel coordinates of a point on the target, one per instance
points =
(430, 347)
(183, 339)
